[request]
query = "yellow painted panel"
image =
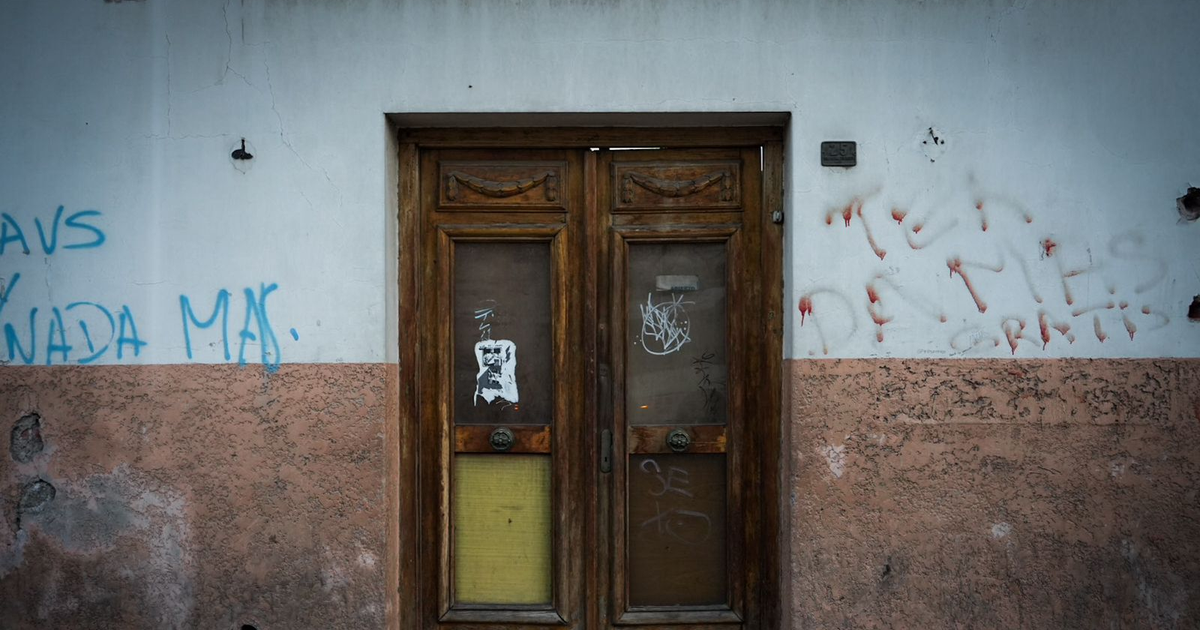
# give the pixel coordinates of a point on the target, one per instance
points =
(502, 535)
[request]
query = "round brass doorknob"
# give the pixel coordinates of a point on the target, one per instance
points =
(502, 439)
(679, 440)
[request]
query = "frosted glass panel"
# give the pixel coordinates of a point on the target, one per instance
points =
(502, 529)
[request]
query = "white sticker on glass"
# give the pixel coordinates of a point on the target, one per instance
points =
(497, 378)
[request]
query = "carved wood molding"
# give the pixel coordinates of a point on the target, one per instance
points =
(501, 189)
(677, 188)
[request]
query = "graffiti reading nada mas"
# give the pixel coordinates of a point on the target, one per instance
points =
(83, 331)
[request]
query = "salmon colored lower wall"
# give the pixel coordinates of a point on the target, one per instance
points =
(923, 494)
(195, 497)
(994, 493)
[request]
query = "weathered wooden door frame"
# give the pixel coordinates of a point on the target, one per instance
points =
(405, 574)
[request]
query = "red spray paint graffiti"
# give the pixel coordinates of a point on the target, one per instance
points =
(994, 211)
(805, 308)
(956, 266)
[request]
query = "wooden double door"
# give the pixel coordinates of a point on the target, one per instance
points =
(593, 367)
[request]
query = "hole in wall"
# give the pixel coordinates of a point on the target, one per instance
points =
(25, 441)
(247, 626)
(933, 144)
(242, 156)
(1194, 309)
(35, 496)
(1189, 205)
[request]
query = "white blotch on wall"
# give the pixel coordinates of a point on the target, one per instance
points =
(1116, 469)
(835, 456)
(1001, 530)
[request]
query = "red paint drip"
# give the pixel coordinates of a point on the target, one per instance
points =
(1044, 325)
(1129, 326)
(1012, 335)
(848, 212)
(899, 215)
(829, 218)
(1124, 305)
(1066, 287)
(916, 229)
(1012, 338)
(806, 308)
(879, 320)
(956, 266)
(1099, 331)
(983, 223)
(1063, 328)
(870, 237)
(872, 294)
(1048, 246)
(1146, 310)
(1071, 338)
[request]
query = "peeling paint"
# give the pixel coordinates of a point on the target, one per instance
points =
(835, 458)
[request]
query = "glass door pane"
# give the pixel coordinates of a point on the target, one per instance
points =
(675, 357)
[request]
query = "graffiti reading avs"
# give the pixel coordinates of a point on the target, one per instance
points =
(84, 235)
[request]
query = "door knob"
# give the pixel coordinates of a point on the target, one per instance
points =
(679, 440)
(502, 439)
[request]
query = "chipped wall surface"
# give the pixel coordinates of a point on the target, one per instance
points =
(195, 497)
(994, 493)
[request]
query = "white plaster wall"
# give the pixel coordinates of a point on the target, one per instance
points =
(1082, 116)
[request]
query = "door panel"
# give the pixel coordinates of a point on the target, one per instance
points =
(502, 537)
(508, 390)
(500, 409)
(679, 256)
(586, 329)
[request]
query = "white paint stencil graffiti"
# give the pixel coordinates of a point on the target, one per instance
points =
(665, 325)
(497, 377)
